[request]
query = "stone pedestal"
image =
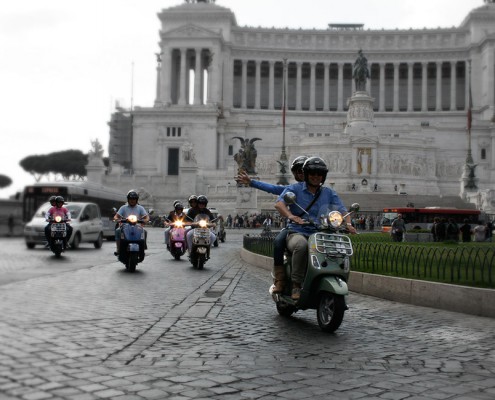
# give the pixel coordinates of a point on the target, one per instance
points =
(95, 168)
(247, 200)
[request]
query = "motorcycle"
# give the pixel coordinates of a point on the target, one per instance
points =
(177, 239)
(132, 242)
(58, 234)
(325, 284)
(201, 243)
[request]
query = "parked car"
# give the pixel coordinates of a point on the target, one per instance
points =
(85, 221)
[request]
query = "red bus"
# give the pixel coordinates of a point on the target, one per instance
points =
(423, 217)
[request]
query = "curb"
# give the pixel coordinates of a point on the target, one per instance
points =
(457, 298)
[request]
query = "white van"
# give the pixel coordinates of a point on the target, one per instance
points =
(85, 221)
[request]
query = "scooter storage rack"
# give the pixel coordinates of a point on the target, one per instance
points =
(333, 244)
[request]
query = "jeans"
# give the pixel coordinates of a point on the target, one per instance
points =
(297, 244)
(279, 248)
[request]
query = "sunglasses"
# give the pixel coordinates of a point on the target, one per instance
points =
(315, 173)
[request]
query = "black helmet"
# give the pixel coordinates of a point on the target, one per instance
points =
(59, 199)
(202, 199)
(52, 199)
(315, 164)
(178, 205)
(132, 194)
(298, 163)
(192, 197)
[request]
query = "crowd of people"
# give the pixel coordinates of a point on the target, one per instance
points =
(448, 230)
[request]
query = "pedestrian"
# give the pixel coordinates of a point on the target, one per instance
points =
(489, 231)
(452, 230)
(398, 229)
(479, 233)
(10, 224)
(466, 231)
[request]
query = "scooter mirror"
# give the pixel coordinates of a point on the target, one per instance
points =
(290, 198)
(151, 211)
(355, 207)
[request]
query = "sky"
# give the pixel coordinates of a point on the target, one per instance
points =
(64, 64)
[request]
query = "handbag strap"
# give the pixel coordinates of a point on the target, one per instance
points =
(312, 202)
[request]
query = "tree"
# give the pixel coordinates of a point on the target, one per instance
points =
(68, 163)
(5, 181)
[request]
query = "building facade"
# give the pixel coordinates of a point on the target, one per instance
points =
(217, 82)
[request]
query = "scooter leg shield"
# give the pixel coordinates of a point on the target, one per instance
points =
(333, 284)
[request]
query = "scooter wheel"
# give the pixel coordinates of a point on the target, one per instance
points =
(285, 310)
(330, 312)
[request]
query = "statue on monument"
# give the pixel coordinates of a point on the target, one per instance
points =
(246, 157)
(96, 148)
(360, 72)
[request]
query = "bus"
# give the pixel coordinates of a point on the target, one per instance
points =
(74, 191)
(422, 218)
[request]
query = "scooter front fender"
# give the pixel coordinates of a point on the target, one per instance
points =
(333, 284)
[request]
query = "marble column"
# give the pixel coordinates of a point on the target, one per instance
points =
(198, 79)
(298, 85)
(410, 69)
(340, 88)
(396, 87)
(368, 81)
(271, 84)
(312, 88)
(467, 85)
(166, 76)
(424, 86)
(439, 87)
(183, 71)
(326, 90)
(453, 86)
(257, 86)
(381, 106)
(244, 85)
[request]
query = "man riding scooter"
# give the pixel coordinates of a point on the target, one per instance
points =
(311, 196)
(131, 208)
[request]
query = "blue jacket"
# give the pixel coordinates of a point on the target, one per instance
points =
(327, 201)
(267, 187)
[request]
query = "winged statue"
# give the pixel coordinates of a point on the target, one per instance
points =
(246, 156)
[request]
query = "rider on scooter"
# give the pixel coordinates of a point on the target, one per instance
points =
(58, 210)
(192, 213)
(279, 242)
(131, 208)
(311, 196)
(176, 215)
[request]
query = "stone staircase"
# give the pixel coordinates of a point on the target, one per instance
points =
(376, 201)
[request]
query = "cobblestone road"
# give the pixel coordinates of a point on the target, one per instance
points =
(171, 332)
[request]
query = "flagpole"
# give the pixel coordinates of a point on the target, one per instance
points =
(283, 156)
(469, 158)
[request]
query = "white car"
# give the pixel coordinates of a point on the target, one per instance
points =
(85, 221)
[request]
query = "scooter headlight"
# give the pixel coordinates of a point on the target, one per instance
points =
(58, 218)
(132, 219)
(335, 219)
(178, 224)
(202, 223)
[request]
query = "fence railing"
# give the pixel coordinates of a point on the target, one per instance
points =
(463, 265)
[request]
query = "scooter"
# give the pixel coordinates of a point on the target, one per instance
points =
(132, 242)
(58, 234)
(177, 239)
(325, 284)
(201, 243)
